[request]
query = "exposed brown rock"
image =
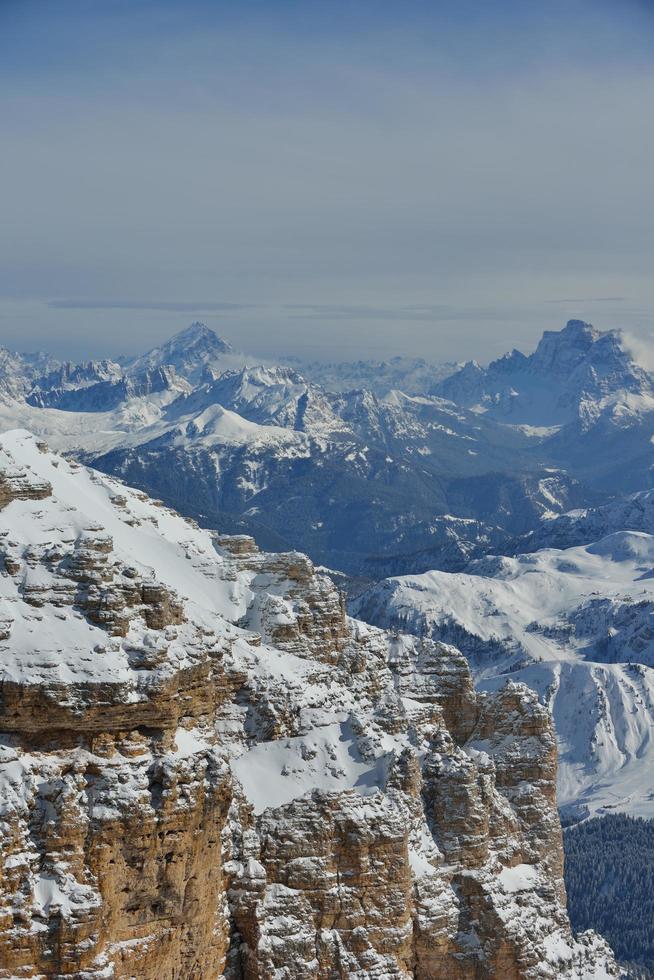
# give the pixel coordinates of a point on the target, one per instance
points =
(299, 796)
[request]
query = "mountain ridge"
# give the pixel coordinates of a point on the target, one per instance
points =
(508, 476)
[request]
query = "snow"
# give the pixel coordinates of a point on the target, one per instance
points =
(329, 758)
(578, 627)
(62, 894)
(189, 742)
(157, 543)
(218, 424)
(521, 877)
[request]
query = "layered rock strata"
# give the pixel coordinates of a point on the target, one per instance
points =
(207, 770)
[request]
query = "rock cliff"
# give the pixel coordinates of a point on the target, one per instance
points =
(207, 770)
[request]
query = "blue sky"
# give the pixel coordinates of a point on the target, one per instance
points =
(333, 179)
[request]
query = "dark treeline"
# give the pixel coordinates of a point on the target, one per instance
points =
(609, 875)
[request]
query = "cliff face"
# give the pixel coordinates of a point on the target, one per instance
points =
(207, 770)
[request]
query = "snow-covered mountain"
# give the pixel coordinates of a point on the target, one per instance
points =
(346, 477)
(101, 387)
(531, 454)
(338, 496)
(272, 395)
(449, 482)
(18, 372)
(610, 447)
(205, 762)
(400, 484)
(571, 376)
(191, 352)
(446, 481)
(631, 513)
(577, 625)
(72, 377)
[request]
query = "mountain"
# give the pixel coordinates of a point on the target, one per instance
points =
(335, 497)
(610, 446)
(191, 352)
(19, 371)
(100, 387)
(448, 482)
(449, 543)
(207, 769)
(631, 513)
(69, 377)
(272, 395)
(353, 479)
(534, 453)
(568, 378)
(588, 406)
(577, 625)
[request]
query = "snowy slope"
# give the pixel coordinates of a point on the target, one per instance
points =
(577, 626)
(631, 513)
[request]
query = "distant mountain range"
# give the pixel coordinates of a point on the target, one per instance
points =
(370, 480)
(402, 468)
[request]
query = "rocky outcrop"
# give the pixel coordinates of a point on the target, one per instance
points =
(207, 770)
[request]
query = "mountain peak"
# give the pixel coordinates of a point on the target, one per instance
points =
(198, 333)
(190, 352)
(562, 350)
(581, 329)
(568, 368)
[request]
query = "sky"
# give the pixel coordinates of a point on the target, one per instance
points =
(444, 178)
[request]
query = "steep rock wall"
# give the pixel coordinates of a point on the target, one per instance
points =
(207, 770)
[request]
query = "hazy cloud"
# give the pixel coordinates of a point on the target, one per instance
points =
(397, 314)
(590, 299)
(327, 311)
(641, 348)
(121, 304)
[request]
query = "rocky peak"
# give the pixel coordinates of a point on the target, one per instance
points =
(19, 371)
(101, 387)
(554, 384)
(563, 350)
(198, 335)
(190, 352)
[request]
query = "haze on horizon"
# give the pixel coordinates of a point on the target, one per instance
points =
(335, 179)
